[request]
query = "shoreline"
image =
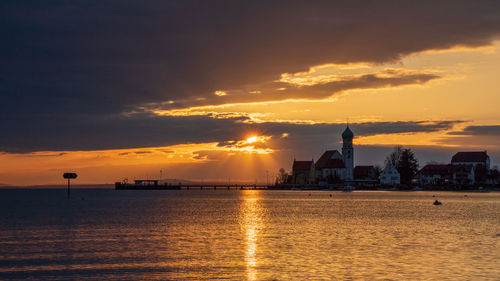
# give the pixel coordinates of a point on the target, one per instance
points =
(111, 187)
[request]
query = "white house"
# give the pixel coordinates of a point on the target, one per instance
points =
(389, 175)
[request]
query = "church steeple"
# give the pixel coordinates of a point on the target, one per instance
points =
(348, 152)
(347, 134)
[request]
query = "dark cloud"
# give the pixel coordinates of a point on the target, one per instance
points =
(142, 152)
(144, 130)
(306, 141)
(68, 67)
(276, 91)
(474, 137)
(493, 130)
(211, 155)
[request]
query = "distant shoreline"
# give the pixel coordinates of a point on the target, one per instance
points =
(112, 187)
(59, 186)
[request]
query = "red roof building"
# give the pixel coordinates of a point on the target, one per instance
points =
(365, 172)
(330, 167)
(303, 172)
(471, 158)
(302, 165)
(444, 174)
(331, 159)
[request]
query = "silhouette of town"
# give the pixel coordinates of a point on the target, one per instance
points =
(334, 169)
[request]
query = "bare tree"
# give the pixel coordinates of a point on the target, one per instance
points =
(393, 158)
(282, 177)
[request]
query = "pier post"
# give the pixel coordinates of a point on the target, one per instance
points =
(68, 188)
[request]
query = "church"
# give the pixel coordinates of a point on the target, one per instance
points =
(331, 167)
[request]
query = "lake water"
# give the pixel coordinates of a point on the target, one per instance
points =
(248, 235)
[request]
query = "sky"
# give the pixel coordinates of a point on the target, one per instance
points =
(235, 90)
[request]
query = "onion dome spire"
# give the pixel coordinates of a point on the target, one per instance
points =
(347, 134)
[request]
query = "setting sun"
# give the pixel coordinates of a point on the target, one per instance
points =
(252, 139)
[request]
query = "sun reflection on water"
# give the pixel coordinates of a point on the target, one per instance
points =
(251, 223)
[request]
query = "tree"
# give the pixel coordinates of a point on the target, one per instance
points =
(407, 166)
(495, 175)
(282, 177)
(377, 170)
(393, 158)
(405, 162)
(480, 174)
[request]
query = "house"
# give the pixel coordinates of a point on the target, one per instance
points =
(365, 176)
(389, 175)
(303, 172)
(365, 173)
(471, 158)
(330, 167)
(444, 174)
(436, 174)
(464, 174)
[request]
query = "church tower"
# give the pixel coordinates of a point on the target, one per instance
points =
(348, 153)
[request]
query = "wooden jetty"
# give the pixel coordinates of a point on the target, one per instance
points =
(155, 185)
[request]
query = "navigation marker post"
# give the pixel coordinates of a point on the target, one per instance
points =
(69, 176)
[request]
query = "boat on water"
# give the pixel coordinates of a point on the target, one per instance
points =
(145, 185)
(437, 202)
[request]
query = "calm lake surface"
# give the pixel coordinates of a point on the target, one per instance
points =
(248, 235)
